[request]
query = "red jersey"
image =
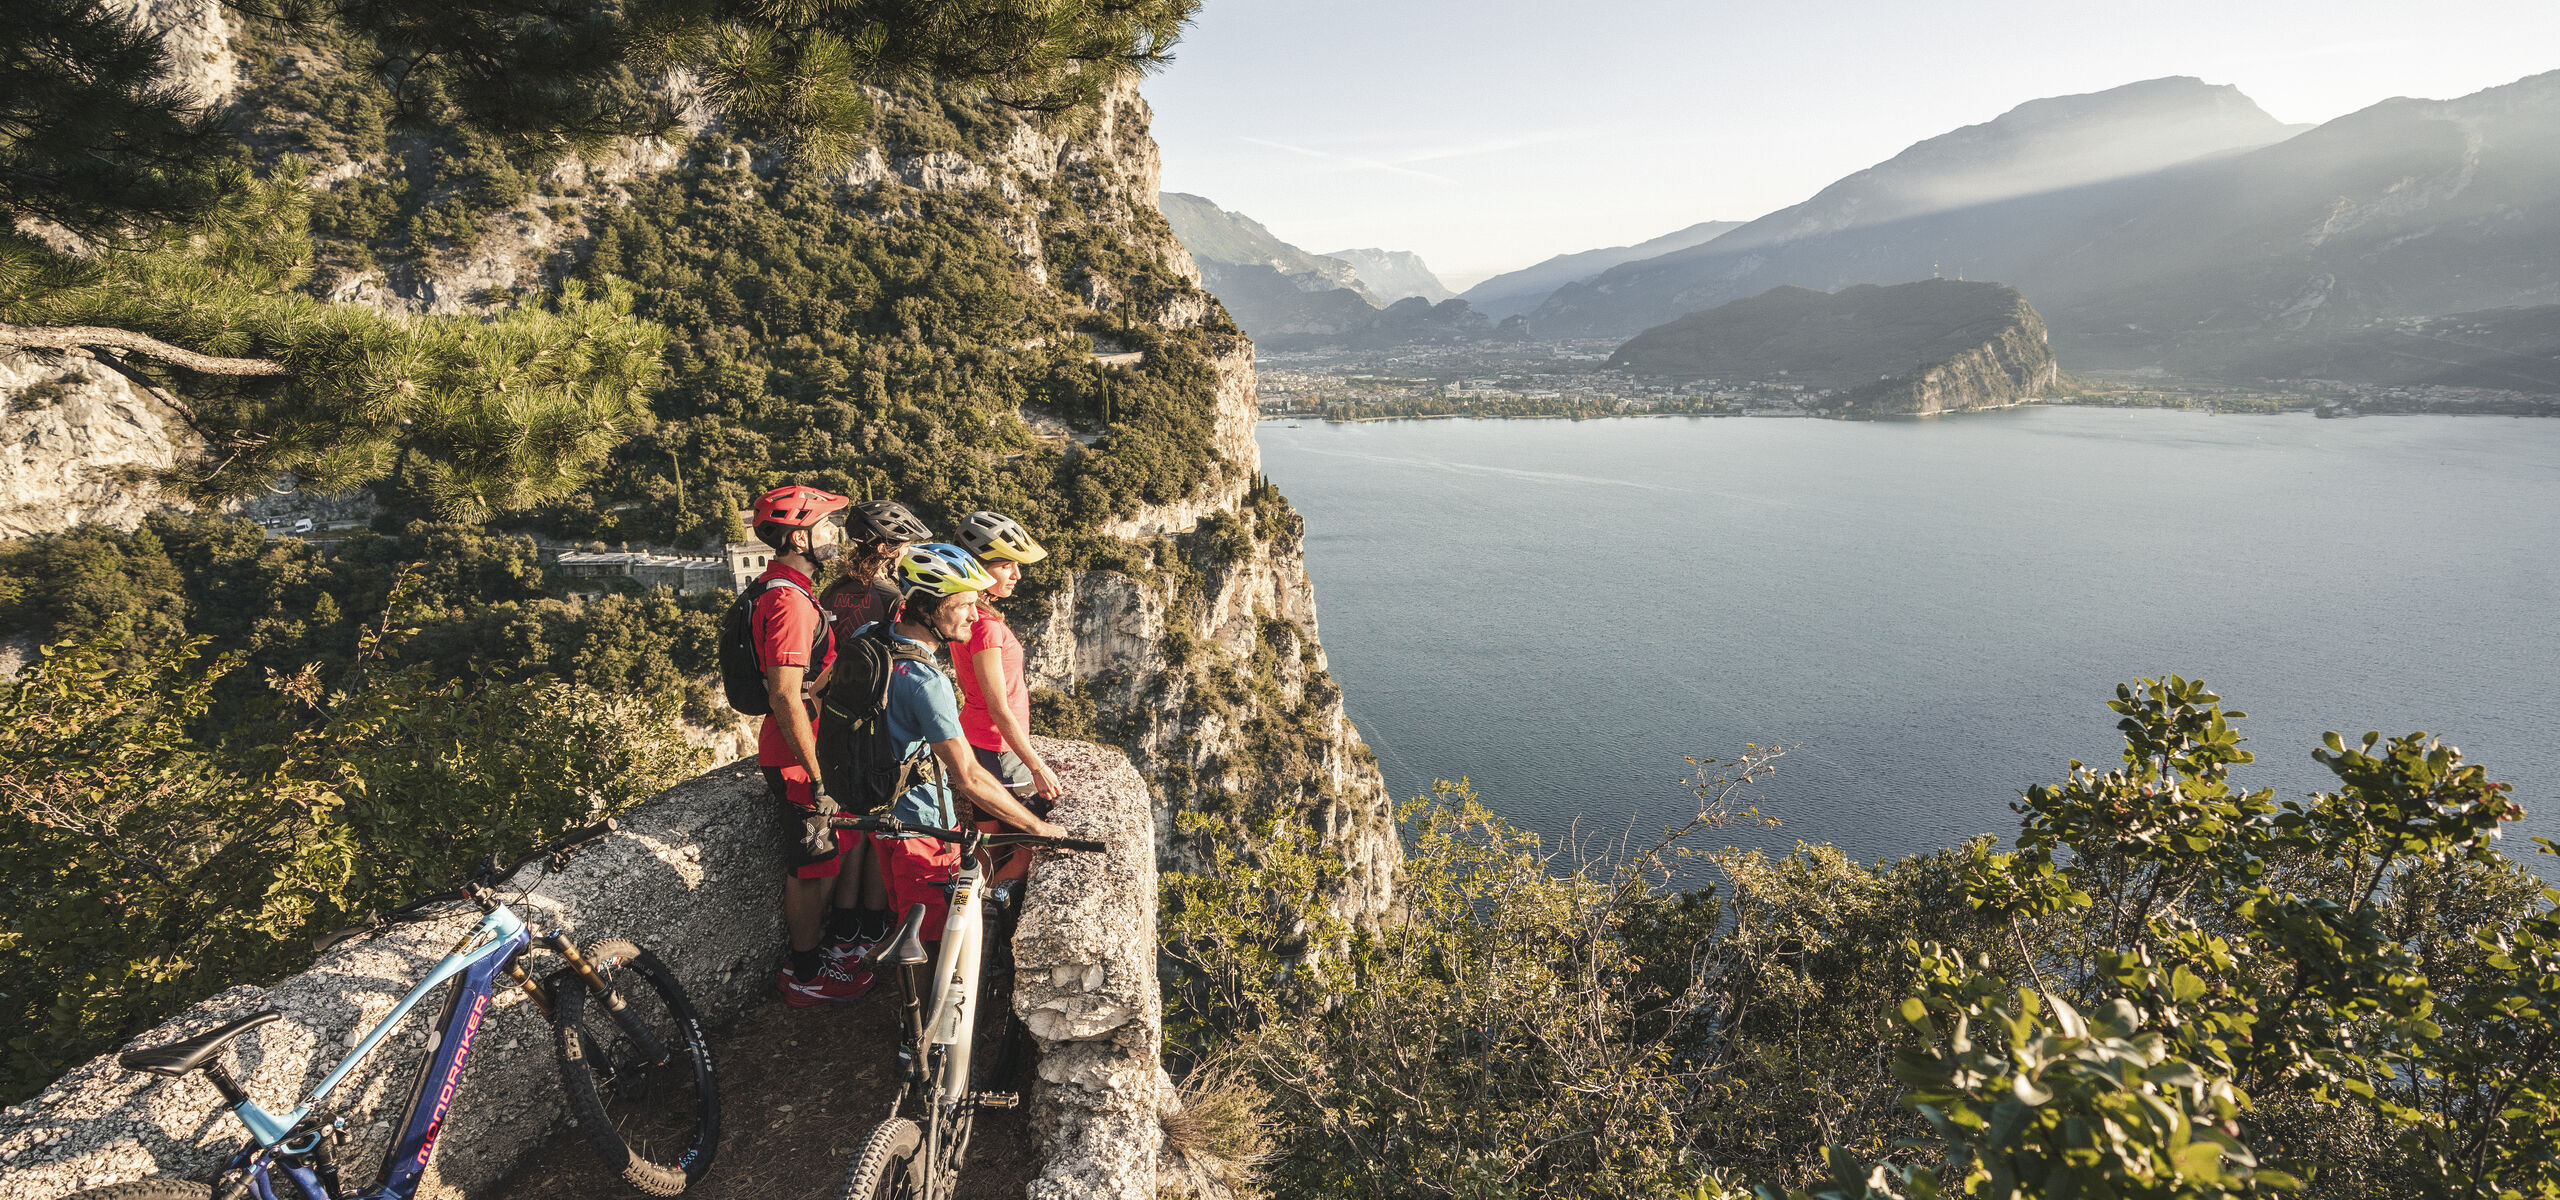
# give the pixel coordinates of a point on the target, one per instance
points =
(788, 631)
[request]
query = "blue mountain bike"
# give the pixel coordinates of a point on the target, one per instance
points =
(632, 1055)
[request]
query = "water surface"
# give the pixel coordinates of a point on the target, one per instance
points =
(1932, 614)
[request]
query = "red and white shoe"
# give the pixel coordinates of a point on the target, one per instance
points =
(830, 986)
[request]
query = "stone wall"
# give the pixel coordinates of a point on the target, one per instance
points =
(694, 874)
(1085, 986)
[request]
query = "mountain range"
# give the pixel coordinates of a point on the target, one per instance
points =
(2168, 224)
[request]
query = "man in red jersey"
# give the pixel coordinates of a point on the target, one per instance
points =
(794, 646)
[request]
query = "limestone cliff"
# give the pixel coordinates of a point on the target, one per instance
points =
(2013, 365)
(1196, 650)
(2010, 362)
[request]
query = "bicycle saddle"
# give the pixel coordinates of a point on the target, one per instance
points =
(908, 949)
(178, 1058)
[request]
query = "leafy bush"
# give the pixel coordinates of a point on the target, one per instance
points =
(146, 866)
(2172, 987)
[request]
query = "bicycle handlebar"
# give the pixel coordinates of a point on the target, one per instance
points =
(958, 837)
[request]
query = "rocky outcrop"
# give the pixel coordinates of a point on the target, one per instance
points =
(695, 875)
(1229, 597)
(1085, 986)
(1237, 597)
(79, 443)
(1913, 349)
(2014, 365)
(197, 36)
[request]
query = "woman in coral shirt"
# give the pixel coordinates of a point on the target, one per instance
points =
(995, 707)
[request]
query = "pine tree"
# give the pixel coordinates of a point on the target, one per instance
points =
(496, 413)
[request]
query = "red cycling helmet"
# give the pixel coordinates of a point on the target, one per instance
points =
(796, 505)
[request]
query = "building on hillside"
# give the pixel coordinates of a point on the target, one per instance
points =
(746, 560)
(682, 573)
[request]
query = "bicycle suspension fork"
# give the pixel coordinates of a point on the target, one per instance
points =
(614, 1005)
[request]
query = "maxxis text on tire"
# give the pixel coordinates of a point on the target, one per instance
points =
(886, 1167)
(571, 1003)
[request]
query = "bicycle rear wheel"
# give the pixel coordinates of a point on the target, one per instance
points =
(653, 1113)
(890, 1164)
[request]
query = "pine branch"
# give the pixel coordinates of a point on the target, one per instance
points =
(70, 337)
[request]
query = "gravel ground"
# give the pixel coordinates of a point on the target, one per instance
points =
(799, 1088)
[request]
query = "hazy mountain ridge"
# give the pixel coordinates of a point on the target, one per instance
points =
(2406, 208)
(1392, 275)
(1274, 290)
(2040, 146)
(1522, 290)
(1938, 345)
(1216, 235)
(1287, 299)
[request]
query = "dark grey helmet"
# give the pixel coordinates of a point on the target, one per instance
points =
(887, 521)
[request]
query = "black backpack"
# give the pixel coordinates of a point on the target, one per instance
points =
(741, 671)
(862, 766)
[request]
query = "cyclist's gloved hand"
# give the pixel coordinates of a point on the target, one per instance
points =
(817, 838)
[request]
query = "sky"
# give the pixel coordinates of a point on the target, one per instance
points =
(1486, 135)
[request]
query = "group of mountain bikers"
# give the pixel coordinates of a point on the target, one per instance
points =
(859, 718)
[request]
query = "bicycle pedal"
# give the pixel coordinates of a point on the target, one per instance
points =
(996, 1099)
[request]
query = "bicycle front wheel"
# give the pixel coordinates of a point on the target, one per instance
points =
(639, 1081)
(146, 1189)
(890, 1164)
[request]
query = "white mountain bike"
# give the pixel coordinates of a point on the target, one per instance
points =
(919, 1157)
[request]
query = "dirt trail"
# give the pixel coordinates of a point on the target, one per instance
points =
(799, 1088)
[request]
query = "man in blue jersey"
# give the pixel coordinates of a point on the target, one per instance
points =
(940, 585)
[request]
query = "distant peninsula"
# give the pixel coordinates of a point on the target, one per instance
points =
(1912, 349)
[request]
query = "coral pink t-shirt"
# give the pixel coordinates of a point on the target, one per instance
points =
(989, 632)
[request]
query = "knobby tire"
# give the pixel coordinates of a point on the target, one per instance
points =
(888, 1167)
(146, 1189)
(626, 1108)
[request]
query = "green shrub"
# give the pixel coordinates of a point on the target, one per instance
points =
(147, 867)
(2173, 987)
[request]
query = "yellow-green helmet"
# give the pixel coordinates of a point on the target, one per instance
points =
(940, 569)
(992, 535)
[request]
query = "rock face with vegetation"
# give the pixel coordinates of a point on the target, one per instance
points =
(1913, 349)
(977, 310)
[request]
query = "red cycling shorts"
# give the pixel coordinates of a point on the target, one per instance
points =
(910, 867)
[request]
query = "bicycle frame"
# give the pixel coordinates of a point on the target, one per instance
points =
(285, 1145)
(949, 1024)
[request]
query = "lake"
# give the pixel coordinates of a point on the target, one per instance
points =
(1930, 614)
